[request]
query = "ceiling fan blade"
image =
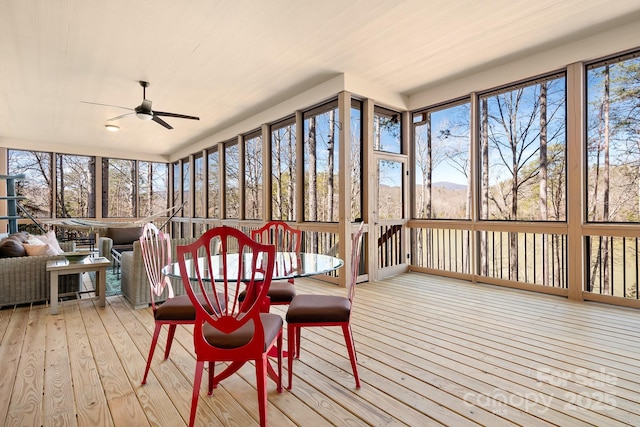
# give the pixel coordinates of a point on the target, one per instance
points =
(178, 116)
(119, 117)
(162, 122)
(106, 105)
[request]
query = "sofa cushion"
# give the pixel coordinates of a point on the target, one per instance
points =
(12, 247)
(33, 240)
(124, 235)
(122, 248)
(50, 238)
(22, 236)
(39, 250)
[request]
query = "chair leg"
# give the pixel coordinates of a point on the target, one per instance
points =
(279, 362)
(298, 334)
(291, 345)
(212, 366)
(154, 341)
(196, 391)
(172, 332)
(348, 338)
(261, 385)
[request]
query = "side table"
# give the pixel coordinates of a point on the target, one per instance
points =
(63, 266)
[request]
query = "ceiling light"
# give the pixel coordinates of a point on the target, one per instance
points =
(112, 128)
(144, 116)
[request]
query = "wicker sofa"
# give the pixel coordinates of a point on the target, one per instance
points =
(133, 279)
(25, 279)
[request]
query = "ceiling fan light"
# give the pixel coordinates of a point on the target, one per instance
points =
(112, 128)
(144, 116)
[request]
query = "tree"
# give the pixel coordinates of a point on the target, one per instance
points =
(276, 155)
(232, 179)
(36, 187)
(518, 126)
(312, 186)
(484, 183)
(330, 167)
(614, 158)
(76, 186)
(253, 177)
(283, 173)
(424, 163)
(625, 124)
(543, 177)
(356, 168)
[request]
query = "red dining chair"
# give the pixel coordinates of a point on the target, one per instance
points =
(233, 331)
(285, 239)
(325, 310)
(175, 310)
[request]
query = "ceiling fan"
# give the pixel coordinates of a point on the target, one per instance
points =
(144, 111)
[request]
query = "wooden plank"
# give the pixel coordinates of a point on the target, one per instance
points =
(155, 408)
(311, 372)
(119, 394)
(91, 405)
(10, 350)
(426, 348)
(427, 394)
(527, 353)
(5, 318)
(467, 332)
(378, 311)
(527, 335)
(26, 404)
(464, 334)
(59, 403)
(177, 373)
(233, 396)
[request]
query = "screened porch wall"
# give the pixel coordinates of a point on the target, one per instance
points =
(569, 257)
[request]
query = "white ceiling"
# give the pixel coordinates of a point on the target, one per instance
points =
(226, 60)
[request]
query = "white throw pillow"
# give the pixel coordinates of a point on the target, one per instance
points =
(50, 238)
(34, 241)
(41, 249)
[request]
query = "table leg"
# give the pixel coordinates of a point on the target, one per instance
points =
(101, 285)
(53, 292)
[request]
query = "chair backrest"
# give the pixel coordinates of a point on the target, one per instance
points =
(279, 233)
(242, 264)
(156, 254)
(283, 237)
(356, 250)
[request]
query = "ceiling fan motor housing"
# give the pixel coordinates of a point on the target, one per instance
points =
(143, 111)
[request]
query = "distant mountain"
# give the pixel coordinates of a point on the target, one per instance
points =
(449, 185)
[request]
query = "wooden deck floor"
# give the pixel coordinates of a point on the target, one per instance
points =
(432, 351)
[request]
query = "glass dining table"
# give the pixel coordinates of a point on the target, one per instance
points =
(288, 265)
